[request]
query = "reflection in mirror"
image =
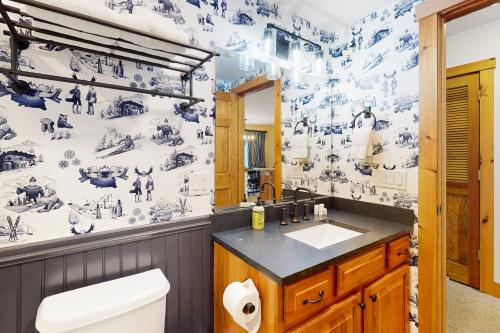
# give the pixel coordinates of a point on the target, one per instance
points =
(251, 79)
(258, 146)
(248, 132)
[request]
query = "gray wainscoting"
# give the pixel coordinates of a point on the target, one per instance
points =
(182, 250)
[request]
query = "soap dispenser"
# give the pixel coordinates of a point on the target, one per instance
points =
(258, 216)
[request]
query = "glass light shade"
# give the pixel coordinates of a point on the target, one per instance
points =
(295, 54)
(247, 61)
(273, 71)
(269, 42)
(319, 63)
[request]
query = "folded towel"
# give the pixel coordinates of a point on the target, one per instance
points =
(142, 20)
(362, 143)
(300, 145)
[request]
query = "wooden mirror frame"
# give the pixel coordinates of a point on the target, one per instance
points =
(432, 16)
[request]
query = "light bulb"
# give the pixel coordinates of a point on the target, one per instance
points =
(247, 61)
(319, 63)
(269, 42)
(294, 57)
(273, 71)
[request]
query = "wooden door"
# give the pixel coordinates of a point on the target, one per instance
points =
(387, 303)
(227, 150)
(342, 317)
(462, 179)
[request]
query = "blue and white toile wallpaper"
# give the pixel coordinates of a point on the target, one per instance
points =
(375, 65)
(120, 159)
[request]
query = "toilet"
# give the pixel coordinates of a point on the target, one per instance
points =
(131, 304)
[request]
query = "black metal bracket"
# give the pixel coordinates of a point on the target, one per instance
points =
(303, 122)
(294, 36)
(20, 42)
(367, 112)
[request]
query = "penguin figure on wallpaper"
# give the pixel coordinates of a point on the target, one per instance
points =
(98, 214)
(394, 85)
(150, 186)
(215, 4)
(99, 66)
(137, 190)
(223, 6)
(130, 6)
(91, 100)
(118, 71)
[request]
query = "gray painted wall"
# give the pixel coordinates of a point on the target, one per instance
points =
(184, 254)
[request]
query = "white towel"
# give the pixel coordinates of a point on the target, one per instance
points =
(142, 19)
(300, 145)
(362, 139)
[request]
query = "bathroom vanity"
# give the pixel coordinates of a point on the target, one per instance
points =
(356, 283)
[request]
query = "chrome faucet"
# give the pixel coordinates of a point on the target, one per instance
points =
(295, 205)
(274, 191)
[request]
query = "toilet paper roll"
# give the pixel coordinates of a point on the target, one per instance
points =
(242, 301)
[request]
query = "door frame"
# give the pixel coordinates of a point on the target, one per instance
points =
(257, 84)
(432, 16)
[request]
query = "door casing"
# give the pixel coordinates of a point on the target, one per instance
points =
(432, 16)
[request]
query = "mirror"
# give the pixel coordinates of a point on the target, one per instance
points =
(248, 105)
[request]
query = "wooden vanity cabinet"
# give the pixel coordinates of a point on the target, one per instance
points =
(387, 303)
(343, 317)
(368, 292)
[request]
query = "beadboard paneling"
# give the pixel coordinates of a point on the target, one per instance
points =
(184, 255)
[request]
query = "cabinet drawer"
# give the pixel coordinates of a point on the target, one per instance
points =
(308, 296)
(357, 271)
(397, 252)
(344, 316)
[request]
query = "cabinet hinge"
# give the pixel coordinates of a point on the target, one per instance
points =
(478, 254)
(439, 210)
(479, 175)
(479, 95)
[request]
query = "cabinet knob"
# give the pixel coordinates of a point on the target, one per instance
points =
(362, 306)
(485, 219)
(314, 301)
(373, 298)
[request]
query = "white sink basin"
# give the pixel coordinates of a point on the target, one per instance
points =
(323, 235)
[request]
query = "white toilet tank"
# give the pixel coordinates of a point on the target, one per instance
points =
(133, 304)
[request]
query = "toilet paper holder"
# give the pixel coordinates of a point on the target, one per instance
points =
(249, 308)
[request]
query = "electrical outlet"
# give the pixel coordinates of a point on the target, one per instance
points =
(199, 183)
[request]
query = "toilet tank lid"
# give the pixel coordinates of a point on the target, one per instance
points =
(84, 306)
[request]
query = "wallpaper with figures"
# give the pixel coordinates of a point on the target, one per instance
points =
(120, 159)
(377, 67)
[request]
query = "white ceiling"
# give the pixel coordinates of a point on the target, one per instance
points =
(259, 107)
(333, 13)
(473, 20)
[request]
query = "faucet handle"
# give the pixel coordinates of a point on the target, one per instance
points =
(306, 211)
(283, 220)
(295, 213)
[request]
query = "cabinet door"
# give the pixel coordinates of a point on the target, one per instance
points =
(387, 303)
(342, 317)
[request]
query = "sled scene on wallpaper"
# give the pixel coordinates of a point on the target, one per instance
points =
(103, 176)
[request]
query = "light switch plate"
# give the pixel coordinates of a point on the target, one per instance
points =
(393, 179)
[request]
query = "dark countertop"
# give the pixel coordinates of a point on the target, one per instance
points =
(286, 260)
